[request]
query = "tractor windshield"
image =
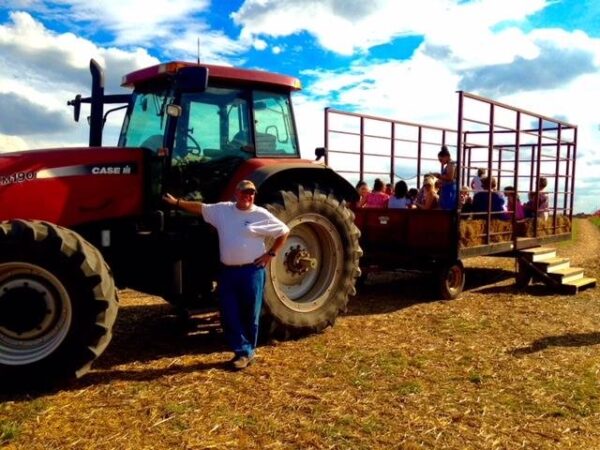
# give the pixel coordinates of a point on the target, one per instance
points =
(217, 123)
(145, 123)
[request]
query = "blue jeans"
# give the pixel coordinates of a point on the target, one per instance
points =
(241, 296)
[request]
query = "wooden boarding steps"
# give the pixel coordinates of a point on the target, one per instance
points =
(543, 264)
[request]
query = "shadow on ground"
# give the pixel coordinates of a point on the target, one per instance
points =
(565, 340)
(145, 333)
(392, 291)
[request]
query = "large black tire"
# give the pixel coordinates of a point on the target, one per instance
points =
(58, 303)
(451, 280)
(301, 299)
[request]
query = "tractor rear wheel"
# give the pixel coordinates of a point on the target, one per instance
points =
(309, 282)
(58, 303)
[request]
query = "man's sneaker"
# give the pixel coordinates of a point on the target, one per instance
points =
(241, 362)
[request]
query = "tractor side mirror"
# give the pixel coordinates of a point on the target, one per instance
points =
(320, 152)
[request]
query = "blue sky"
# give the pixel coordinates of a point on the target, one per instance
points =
(392, 58)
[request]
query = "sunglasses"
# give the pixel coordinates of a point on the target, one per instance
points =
(248, 191)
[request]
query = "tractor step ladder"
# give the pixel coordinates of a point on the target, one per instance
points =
(543, 264)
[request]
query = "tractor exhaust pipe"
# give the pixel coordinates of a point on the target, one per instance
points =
(97, 104)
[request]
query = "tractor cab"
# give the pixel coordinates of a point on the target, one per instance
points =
(207, 120)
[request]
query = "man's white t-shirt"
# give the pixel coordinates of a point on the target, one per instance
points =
(242, 233)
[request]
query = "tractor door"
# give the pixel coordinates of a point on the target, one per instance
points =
(212, 139)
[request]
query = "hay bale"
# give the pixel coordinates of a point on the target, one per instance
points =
(545, 227)
(473, 232)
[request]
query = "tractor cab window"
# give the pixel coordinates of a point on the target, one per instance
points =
(145, 122)
(274, 126)
(213, 125)
(211, 141)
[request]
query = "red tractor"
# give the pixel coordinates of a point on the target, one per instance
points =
(78, 221)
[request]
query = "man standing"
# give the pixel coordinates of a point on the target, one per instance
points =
(242, 228)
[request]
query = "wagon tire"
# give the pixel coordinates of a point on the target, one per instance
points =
(300, 300)
(451, 280)
(58, 304)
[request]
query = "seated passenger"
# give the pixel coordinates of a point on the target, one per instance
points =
(513, 204)
(411, 197)
(399, 199)
(465, 202)
(428, 198)
(480, 199)
(541, 200)
(476, 181)
(363, 190)
(377, 198)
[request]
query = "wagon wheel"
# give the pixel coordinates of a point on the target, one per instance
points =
(451, 280)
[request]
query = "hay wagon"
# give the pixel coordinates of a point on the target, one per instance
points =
(514, 146)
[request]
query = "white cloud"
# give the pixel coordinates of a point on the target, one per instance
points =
(11, 143)
(422, 89)
(133, 22)
(215, 47)
(43, 69)
(348, 26)
(259, 44)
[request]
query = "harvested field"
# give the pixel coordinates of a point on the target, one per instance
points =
(496, 368)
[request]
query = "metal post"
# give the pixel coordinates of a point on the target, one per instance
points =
(362, 148)
(392, 153)
(516, 177)
(326, 137)
(573, 177)
(490, 158)
(556, 177)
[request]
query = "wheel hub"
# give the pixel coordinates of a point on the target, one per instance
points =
(298, 261)
(35, 313)
(26, 309)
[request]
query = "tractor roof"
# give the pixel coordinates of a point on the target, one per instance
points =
(219, 73)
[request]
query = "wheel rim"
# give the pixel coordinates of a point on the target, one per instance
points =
(313, 240)
(454, 279)
(35, 313)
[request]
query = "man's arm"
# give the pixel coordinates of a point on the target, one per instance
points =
(264, 259)
(190, 206)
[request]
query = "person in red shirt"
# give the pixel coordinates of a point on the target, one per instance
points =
(377, 198)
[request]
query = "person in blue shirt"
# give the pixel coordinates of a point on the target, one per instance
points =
(482, 199)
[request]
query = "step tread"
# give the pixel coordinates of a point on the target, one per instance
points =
(556, 261)
(585, 281)
(568, 271)
(537, 250)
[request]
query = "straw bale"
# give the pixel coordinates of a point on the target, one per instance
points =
(474, 232)
(545, 227)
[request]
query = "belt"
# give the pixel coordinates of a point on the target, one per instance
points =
(238, 266)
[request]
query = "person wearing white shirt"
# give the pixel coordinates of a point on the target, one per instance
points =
(242, 228)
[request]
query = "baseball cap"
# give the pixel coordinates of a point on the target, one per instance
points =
(245, 184)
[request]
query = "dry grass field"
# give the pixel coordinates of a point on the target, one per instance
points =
(498, 368)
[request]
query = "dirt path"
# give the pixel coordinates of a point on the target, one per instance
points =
(586, 248)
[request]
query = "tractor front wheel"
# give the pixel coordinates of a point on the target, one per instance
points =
(58, 303)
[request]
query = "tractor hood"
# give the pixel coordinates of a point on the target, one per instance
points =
(71, 186)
